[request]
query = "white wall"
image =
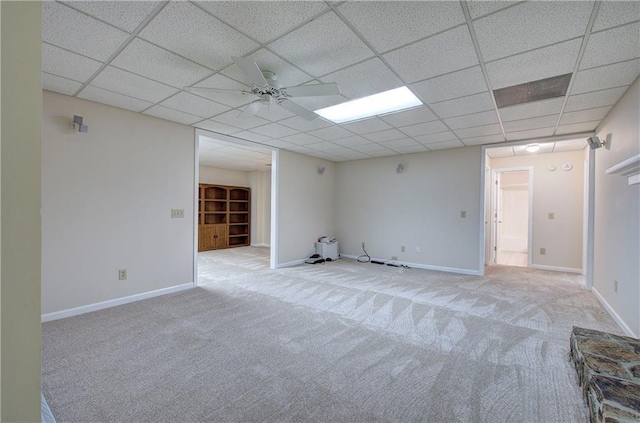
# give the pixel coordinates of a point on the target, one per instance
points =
(617, 214)
(20, 169)
(305, 205)
(562, 193)
(419, 207)
(106, 203)
(219, 176)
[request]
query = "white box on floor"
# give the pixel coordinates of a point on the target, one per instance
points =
(326, 251)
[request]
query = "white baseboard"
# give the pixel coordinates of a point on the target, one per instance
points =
(112, 303)
(425, 266)
(626, 329)
(290, 263)
(557, 268)
(261, 245)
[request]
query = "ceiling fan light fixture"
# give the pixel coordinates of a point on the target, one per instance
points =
(378, 104)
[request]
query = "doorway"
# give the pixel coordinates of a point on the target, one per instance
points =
(511, 208)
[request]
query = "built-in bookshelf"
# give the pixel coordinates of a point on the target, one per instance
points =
(224, 217)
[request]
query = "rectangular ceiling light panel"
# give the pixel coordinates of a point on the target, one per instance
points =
(528, 92)
(378, 104)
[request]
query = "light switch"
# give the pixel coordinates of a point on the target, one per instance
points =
(552, 215)
(463, 214)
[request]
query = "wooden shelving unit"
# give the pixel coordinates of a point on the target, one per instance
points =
(224, 217)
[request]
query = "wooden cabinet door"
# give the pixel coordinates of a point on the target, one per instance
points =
(220, 237)
(206, 237)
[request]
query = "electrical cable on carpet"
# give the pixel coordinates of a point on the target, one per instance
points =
(365, 256)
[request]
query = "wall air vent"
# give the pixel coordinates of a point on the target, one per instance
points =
(542, 89)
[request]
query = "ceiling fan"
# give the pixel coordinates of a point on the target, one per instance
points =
(265, 85)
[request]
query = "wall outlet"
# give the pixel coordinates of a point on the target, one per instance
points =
(402, 248)
(417, 249)
(615, 286)
(394, 257)
(552, 215)
(543, 251)
(122, 274)
(463, 214)
(177, 213)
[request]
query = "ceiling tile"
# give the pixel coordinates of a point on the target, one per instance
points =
(228, 98)
(497, 152)
(453, 85)
(366, 126)
(382, 153)
(440, 54)
(331, 133)
(302, 124)
(301, 139)
(611, 46)
(514, 30)
(64, 63)
(279, 144)
(484, 139)
(528, 110)
(59, 84)
(286, 74)
(584, 115)
(113, 99)
(352, 141)
(614, 13)
(263, 21)
(476, 119)
(194, 105)
(572, 145)
(531, 133)
(594, 99)
(387, 135)
(577, 127)
(424, 128)
(322, 46)
(155, 63)
(301, 149)
(366, 78)
(446, 144)
(409, 117)
(478, 131)
(401, 143)
(174, 115)
(387, 26)
(232, 117)
(611, 76)
(274, 130)
(205, 39)
(77, 32)
(484, 7)
(221, 128)
(123, 82)
(418, 148)
(438, 137)
(538, 64)
(324, 146)
(353, 156)
(464, 105)
(372, 148)
(531, 123)
(252, 136)
(126, 15)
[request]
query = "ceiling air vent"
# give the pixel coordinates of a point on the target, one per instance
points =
(542, 89)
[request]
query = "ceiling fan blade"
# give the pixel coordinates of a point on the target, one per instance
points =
(208, 90)
(298, 110)
(313, 90)
(250, 110)
(251, 70)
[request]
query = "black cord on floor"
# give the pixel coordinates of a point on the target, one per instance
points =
(364, 258)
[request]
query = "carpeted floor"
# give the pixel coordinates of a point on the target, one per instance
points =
(341, 341)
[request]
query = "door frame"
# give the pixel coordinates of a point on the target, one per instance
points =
(273, 242)
(495, 186)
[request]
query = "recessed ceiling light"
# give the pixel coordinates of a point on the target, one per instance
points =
(532, 148)
(378, 104)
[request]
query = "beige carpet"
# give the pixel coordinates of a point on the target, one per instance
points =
(342, 341)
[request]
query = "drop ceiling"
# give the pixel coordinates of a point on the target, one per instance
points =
(140, 55)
